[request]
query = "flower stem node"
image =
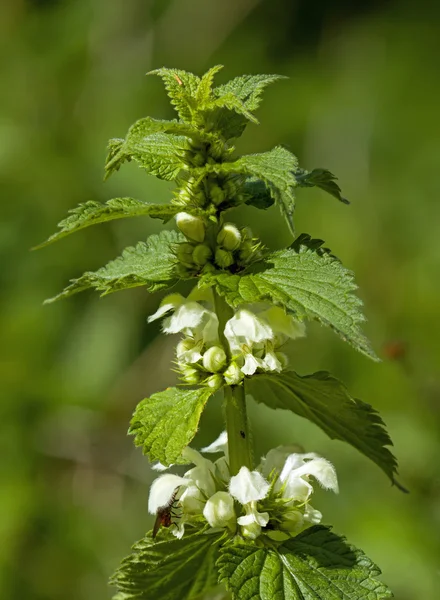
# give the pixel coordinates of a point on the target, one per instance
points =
(214, 359)
(223, 258)
(229, 237)
(191, 226)
(201, 254)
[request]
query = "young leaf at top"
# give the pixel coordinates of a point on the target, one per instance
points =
(171, 569)
(315, 565)
(204, 90)
(275, 169)
(92, 213)
(321, 178)
(309, 282)
(247, 88)
(165, 423)
(148, 263)
(325, 401)
(181, 87)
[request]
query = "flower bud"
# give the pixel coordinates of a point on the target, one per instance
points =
(190, 375)
(191, 226)
(219, 510)
(216, 194)
(233, 374)
(229, 237)
(246, 250)
(201, 254)
(214, 382)
(185, 254)
(214, 359)
(223, 258)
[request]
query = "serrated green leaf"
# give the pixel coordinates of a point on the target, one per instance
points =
(204, 90)
(315, 565)
(148, 263)
(247, 88)
(310, 283)
(159, 154)
(181, 88)
(325, 401)
(165, 423)
(92, 213)
(169, 570)
(323, 179)
(275, 169)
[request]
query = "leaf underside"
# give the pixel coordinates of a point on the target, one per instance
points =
(325, 401)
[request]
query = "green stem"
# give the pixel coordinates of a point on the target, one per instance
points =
(237, 425)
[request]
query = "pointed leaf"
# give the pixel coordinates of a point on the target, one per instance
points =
(314, 565)
(204, 91)
(165, 423)
(275, 169)
(248, 88)
(159, 154)
(149, 263)
(92, 213)
(325, 401)
(181, 87)
(172, 569)
(309, 282)
(323, 179)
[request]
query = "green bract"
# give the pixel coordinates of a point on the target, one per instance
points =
(248, 527)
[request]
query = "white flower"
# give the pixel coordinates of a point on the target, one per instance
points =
(296, 471)
(219, 510)
(248, 487)
(219, 445)
(162, 490)
(170, 302)
(275, 458)
(283, 324)
(245, 328)
(191, 226)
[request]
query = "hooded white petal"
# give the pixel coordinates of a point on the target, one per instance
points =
(170, 302)
(284, 324)
(251, 364)
(322, 470)
(219, 445)
(246, 328)
(219, 510)
(276, 458)
(248, 486)
(186, 317)
(162, 490)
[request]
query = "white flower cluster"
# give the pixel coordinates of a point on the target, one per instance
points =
(274, 498)
(254, 338)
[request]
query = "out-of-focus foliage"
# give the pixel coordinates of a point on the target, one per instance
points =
(362, 100)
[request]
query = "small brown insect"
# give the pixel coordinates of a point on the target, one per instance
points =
(177, 78)
(165, 514)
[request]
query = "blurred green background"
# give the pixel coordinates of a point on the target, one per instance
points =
(362, 100)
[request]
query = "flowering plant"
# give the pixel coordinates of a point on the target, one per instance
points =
(236, 526)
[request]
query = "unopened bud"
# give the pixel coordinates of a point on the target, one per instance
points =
(214, 359)
(201, 255)
(214, 382)
(185, 254)
(246, 250)
(229, 237)
(233, 374)
(190, 375)
(223, 258)
(216, 194)
(191, 226)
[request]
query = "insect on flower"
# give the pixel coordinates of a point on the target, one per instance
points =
(165, 514)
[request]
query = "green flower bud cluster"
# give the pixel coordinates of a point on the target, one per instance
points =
(236, 247)
(210, 367)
